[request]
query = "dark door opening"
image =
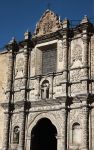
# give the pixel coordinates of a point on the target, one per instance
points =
(43, 136)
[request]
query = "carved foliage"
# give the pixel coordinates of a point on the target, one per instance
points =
(48, 23)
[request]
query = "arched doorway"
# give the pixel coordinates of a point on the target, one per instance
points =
(43, 136)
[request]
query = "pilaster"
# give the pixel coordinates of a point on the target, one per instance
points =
(8, 106)
(65, 48)
(64, 129)
(65, 55)
(6, 130)
(85, 53)
(24, 91)
(85, 128)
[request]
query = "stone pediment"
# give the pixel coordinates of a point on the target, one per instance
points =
(48, 23)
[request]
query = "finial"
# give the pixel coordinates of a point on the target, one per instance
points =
(66, 23)
(85, 19)
(27, 35)
(12, 40)
(59, 19)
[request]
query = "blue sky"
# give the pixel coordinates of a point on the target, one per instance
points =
(19, 15)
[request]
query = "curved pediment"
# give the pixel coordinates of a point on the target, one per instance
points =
(48, 23)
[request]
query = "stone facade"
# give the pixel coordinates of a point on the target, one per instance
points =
(49, 76)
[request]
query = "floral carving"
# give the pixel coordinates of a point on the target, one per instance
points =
(48, 23)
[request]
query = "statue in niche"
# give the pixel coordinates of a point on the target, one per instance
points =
(16, 135)
(45, 90)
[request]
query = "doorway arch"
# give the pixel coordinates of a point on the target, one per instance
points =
(43, 135)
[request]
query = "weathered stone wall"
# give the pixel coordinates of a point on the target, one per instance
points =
(65, 76)
(3, 82)
(76, 58)
(92, 88)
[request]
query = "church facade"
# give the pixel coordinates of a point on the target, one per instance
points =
(47, 88)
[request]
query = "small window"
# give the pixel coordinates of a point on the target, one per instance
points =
(16, 132)
(76, 134)
(45, 90)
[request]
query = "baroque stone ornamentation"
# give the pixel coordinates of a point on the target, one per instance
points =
(33, 59)
(58, 80)
(76, 75)
(49, 78)
(76, 54)
(18, 84)
(60, 47)
(19, 67)
(48, 23)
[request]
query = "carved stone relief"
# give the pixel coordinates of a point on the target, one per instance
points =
(58, 80)
(18, 84)
(75, 115)
(19, 67)
(77, 89)
(76, 75)
(18, 96)
(48, 23)
(76, 55)
(60, 51)
(16, 120)
(34, 86)
(33, 59)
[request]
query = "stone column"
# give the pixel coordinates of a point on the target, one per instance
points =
(38, 88)
(65, 56)
(85, 55)
(23, 111)
(28, 145)
(7, 104)
(6, 131)
(59, 142)
(85, 128)
(64, 130)
(24, 91)
(62, 138)
(22, 131)
(51, 88)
